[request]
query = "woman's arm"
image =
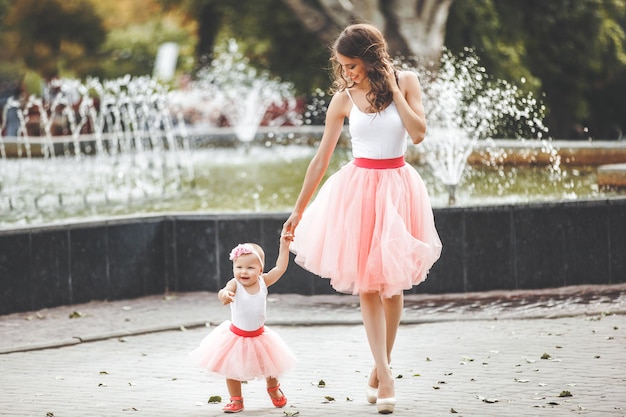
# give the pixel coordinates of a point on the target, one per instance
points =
(407, 96)
(337, 111)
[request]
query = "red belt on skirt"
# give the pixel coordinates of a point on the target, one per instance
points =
(246, 333)
(379, 163)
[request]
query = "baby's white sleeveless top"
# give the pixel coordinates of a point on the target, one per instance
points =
(248, 310)
(377, 135)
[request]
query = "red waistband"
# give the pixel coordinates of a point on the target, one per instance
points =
(246, 333)
(379, 163)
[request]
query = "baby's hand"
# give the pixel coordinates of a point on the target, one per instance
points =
(286, 238)
(225, 296)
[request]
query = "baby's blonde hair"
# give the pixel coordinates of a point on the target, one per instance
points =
(259, 250)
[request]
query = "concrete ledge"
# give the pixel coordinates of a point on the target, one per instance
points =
(612, 176)
(516, 151)
(570, 152)
(506, 247)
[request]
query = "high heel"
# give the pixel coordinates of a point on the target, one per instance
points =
(386, 405)
(371, 393)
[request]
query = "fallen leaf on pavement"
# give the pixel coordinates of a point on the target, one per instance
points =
(76, 315)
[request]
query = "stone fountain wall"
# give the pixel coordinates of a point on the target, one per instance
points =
(485, 248)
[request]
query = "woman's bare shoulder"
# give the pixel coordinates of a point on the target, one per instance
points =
(341, 96)
(408, 82)
(407, 76)
(340, 103)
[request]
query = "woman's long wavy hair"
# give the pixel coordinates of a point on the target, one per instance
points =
(366, 42)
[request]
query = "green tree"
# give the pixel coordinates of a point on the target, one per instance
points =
(9, 68)
(267, 33)
(50, 35)
(207, 14)
(497, 40)
(574, 51)
(132, 49)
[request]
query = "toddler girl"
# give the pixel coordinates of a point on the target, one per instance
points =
(242, 348)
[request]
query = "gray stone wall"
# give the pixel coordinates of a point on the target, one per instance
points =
(485, 248)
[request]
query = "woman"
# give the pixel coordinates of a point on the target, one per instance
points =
(370, 228)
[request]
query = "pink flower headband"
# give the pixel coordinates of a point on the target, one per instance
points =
(244, 249)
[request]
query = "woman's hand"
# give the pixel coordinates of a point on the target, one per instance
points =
(390, 74)
(285, 240)
(290, 225)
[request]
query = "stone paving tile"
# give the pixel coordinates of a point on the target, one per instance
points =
(468, 368)
(475, 354)
(102, 319)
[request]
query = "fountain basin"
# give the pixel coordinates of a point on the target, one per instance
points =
(612, 176)
(506, 247)
(37, 191)
(570, 152)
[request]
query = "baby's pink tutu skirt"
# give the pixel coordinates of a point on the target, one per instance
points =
(369, 230)
(243, 358)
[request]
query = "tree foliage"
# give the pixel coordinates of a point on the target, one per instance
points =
(571, 53)
(574, 51)
(267, 33)
(48, 35)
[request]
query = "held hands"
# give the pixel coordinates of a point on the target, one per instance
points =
(286, 239)
(225, 296)
(290, 226)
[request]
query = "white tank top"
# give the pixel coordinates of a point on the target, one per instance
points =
(377, 135)
(248, 310)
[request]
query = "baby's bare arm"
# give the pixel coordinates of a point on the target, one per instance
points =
(227, 294)
(282, 262)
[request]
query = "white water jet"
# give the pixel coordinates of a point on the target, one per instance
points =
(93, 142)
(244, 95)
(131, 145)
(464, 108)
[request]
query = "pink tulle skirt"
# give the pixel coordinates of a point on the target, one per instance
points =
(369, 230)
(243, 358)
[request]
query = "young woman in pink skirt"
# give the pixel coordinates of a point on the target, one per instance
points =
(370, 229)
(243, 348)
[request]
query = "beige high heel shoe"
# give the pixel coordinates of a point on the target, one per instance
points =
(386, 405)
(371, 393)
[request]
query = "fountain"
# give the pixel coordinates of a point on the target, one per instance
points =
(244, 96)
(134, 146)
(465, 109)
(123, 157)
(128, 192)
(123, 144)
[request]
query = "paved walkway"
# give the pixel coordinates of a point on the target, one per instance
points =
(481, 354)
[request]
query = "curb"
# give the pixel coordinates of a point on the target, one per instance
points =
(195, 325)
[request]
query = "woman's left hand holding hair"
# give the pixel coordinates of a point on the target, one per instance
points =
(390, 73)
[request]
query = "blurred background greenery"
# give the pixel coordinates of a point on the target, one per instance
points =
(570, 53)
